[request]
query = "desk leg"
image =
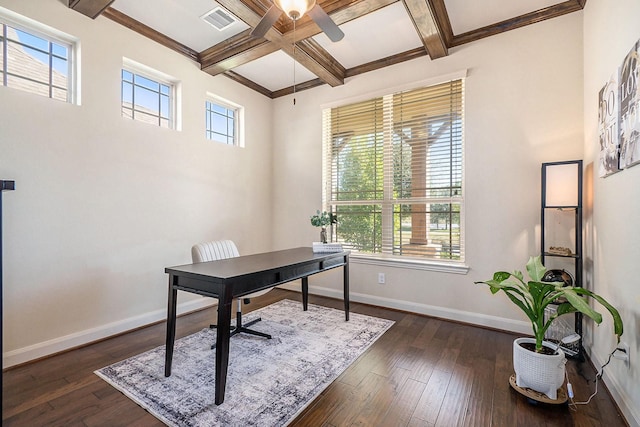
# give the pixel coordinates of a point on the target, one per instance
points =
(305, 293)
(171, 326)
(345, 279)
(223, 331)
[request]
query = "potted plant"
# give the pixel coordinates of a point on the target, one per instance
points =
(541, 366)
(323, 220)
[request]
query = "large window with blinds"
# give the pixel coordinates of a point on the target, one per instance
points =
(394, 173)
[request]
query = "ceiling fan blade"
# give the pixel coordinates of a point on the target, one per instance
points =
(266, 22)
(325, 23)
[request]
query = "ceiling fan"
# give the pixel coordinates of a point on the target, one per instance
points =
(295, 9)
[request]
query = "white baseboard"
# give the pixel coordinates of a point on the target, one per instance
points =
(46, 348)
(622, 399)
(429, 310)
(630, 411)
(36, 351)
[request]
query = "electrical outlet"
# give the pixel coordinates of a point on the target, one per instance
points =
(381, 278)
(622, 353)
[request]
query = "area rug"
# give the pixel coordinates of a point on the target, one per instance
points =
(269, 382)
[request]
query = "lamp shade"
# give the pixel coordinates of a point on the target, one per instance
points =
(295, 8)
(561, 184)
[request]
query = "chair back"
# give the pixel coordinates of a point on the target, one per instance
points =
(211, 251)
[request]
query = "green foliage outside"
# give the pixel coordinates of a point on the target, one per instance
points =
(360, 177)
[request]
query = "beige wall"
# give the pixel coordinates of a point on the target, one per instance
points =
(612, 234)
(103, 204)
(523, 106)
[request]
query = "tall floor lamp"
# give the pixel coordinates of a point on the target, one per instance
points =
(4, 186)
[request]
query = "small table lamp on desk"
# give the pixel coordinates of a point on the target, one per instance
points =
(4, 186)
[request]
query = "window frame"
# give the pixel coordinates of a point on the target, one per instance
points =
(161, 79)
(384, 258)
(52, 36)
(238, 120)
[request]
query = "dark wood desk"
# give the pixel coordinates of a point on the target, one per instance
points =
(234, 277)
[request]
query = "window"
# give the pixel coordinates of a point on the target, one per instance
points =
(394, 173)
(35, 61)
(147, 96)
(223, 120)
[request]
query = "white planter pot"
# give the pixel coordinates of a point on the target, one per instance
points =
(539, 372)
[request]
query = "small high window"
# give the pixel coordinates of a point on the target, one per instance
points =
(223, 121)
(36, 60)
(148, 97)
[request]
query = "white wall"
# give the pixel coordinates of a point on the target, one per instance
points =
(523, 106)
(610, 29)
(103, 204)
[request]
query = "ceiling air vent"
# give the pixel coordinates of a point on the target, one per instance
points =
(219, 18)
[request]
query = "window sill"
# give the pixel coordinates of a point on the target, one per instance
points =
(412, 263)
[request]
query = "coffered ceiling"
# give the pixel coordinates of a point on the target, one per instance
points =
(378, 33)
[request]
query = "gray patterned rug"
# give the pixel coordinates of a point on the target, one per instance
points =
(269, 381)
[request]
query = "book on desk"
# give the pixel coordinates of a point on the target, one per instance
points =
(319, 247)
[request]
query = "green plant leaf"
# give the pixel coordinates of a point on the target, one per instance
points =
(500, 284)
(522, 304)
(520, 300)
(535, 269)
(323, 219)
(565, 308)
(618, 326)
(518, 274)
(534, 296)
(543, 330)
(500, 276)
(494, 285)
(581, 305)
(539, 290)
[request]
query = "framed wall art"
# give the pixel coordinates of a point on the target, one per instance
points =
(619, 117)
(630, 108)
(608, 127)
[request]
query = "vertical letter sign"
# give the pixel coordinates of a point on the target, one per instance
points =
(630, 108)
(608, 127)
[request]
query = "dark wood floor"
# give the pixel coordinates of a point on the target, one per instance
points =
(422, 372)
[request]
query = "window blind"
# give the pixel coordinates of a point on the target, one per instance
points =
(394, 173)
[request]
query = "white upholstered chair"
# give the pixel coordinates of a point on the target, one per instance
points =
(222, 249)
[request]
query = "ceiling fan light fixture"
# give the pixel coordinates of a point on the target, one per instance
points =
(295, 9)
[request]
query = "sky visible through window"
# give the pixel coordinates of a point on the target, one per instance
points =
(36, 47)
(146, 99)
(35, 64)
(220, 123)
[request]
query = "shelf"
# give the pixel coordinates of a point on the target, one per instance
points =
(564, 208)
(561, 226)
(574, 256)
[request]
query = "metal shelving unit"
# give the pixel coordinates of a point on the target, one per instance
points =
(561, 224)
